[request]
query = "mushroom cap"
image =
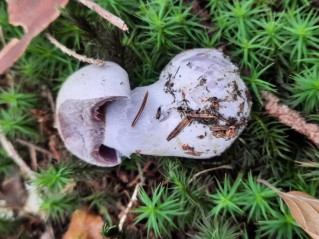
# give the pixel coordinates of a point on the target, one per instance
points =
(94, 82)
(196, 109)
(80, 110)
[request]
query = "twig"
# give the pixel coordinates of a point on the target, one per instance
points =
(34, 160)
(134, 181)
(37, 148)
(47, 93)
(26, 172)
(2, 37)
(64, 49)
(290, 117)
(49, 230)
(116, 21)
(13, 154)
(52, 146)
(209, 170)
(201, 116)
(148, 163)
(140, 111)
(134, 196)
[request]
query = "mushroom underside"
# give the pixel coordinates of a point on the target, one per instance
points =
(82, 126)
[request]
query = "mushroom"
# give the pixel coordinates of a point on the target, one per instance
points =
(196, 109)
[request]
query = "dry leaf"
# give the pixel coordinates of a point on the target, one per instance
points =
(13, 191)
(303, 207)
(34, 17)
(84, 225)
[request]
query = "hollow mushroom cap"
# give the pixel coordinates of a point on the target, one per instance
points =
(80, 110)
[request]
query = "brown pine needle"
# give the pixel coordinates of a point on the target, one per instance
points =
(75, 55)
(116, 21)
(290, 117)
(140, 111)
(179, 128)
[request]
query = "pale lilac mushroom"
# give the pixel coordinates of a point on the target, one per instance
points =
(196, 109)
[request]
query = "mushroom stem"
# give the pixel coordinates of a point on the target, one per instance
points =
(148, 134)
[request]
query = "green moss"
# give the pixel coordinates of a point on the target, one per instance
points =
(275, 44)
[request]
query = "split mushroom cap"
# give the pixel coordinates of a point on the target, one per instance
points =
(196, 109)
(80, 110)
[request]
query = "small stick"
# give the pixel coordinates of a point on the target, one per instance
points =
(204, 116)
(27, 173)
(55, 153)
(134, 196)
(179, 128)
(2, 37)
(209, 170)
(34, 160)
(140, 110)
(13, 154)
(116, 21)
(37, 148)
(77, 56)
(220, 127)
(134, 181)
(47, 93)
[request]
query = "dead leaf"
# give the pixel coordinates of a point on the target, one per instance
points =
(84, 225)
(13, 191)
(303, 207)
(34, 17)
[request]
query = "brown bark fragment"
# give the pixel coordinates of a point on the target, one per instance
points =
(290, 117)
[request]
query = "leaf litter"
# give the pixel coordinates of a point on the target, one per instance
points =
(303, 207)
